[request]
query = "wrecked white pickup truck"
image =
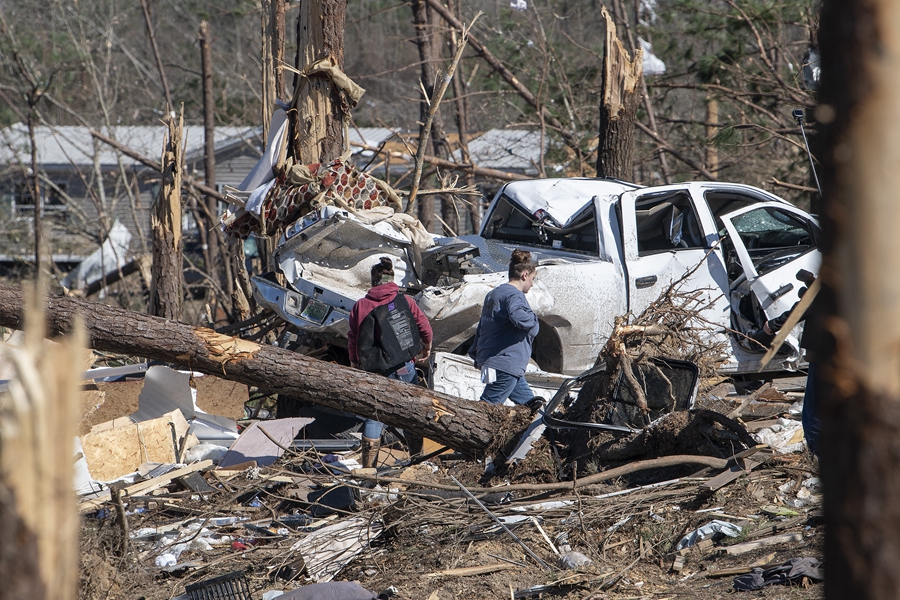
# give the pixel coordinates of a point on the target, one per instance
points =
(604, 248)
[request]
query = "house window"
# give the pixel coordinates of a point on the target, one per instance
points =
(53, 199)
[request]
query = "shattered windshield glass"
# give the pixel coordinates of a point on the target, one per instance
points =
(773, 236)
(509, 222)
(771, 228)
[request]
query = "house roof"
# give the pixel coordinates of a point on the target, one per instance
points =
(507, 150)
(74, 145)
(502, 149)
(369, 136)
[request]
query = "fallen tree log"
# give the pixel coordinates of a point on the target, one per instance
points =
(469, 427)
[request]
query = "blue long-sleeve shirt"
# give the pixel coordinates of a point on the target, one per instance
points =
(505, 332)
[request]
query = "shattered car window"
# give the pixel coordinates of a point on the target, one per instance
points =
(509, 222)
(773, 236)
(666, 223)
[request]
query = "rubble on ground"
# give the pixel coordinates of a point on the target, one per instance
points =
(282, 514)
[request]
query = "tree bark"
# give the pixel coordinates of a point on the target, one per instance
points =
(317, 121)
(165, 222)
(466, 426)
(712, 120)
(860, 442)
(430, 43)
(619, 98)
(209, 230)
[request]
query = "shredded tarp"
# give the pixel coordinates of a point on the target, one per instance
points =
(107, 259)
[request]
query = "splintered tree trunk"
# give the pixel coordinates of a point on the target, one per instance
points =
(38, 521)
(318, 120)
(464, 425)
(165, 222)
(619, 98)
(861, 415)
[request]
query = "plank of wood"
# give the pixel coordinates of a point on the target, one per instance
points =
(777, 526)
(466, 571)
(143, 487)
(763, 563)
(742, 465)
(234, 469)
(784, 538)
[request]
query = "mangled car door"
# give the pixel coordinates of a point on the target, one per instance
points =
(669, 237)
(773, 242)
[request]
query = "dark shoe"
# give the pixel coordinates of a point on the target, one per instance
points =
(535, 404)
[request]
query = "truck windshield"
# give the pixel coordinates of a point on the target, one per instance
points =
(773, 236)
(509, 222)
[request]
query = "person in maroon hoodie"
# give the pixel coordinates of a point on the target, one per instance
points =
(387, 343)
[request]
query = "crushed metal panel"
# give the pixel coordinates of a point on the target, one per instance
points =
(336, 247)
(105, 260)
(456, 375)
(254, 444)
(165, 390)
(561, 198)
(328, 550)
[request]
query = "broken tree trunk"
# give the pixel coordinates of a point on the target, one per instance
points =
(318, 118)
(466, 426)
(619, 98)
(165, 223)
(38, 521)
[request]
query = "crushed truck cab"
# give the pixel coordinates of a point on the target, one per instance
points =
(604, 248)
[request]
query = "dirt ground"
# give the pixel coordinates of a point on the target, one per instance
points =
(630, 537)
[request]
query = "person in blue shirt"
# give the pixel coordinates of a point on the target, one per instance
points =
(506, 331)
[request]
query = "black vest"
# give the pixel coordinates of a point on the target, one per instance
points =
(388, 337)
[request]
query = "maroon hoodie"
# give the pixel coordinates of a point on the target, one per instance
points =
(378, 295)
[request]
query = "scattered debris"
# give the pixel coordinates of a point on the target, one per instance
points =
(709, 531)
(792, 571)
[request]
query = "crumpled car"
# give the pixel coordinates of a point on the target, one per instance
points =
(604, 248)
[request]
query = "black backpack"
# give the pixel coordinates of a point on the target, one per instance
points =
(388, 337)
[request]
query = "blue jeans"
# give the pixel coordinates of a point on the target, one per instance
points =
(810, 416)
(507, 386)
(371, 428)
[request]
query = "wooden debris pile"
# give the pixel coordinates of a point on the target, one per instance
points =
(430, 530)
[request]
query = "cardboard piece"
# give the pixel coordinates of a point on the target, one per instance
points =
(256, 445)
(120, 447)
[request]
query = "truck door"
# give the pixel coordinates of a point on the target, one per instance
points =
(773, 241)
(669, 238)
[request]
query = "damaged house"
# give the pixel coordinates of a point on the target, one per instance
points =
(87, 186)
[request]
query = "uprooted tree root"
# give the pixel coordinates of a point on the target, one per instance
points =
(695, 432)
(672, 327)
